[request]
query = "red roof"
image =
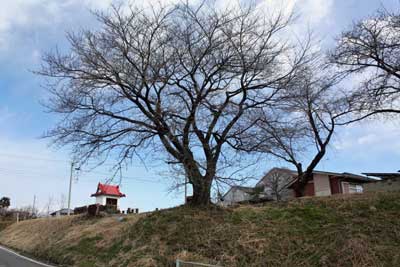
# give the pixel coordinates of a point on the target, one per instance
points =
(109, 190)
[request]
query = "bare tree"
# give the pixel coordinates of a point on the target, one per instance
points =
(276, 183)
(26, 212)
(62, 201)
(371, 50)
(300, 127)
(175, 80)
(48, 208)
(5, 202)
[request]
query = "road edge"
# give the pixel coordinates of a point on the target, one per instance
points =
(25, 257)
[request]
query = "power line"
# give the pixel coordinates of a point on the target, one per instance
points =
(60, 160)
(135, 180)
(30, 174)
(88, 173)
(30, 171)
(124, 181)
(123, 176)
(24, 175)
(31, 157)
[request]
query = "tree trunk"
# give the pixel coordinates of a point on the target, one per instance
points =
(201, 184)
(300, 185)
(201, 193)
(299, 190)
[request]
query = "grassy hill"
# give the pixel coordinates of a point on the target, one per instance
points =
(359, 230)
(4, 222)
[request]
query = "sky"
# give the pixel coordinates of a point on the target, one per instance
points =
(30, 167)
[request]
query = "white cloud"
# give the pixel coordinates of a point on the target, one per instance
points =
(28, 14)
(36, 56)
(100, 4)
(273, 6)
(310, 11)
(378, 136)
(32, 13)
(314, 11)
(367, 139)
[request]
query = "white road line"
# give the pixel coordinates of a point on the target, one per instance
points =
(25, 258)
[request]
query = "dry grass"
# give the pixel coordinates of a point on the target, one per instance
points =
(358, 230)
(5, 222)
(49, 238)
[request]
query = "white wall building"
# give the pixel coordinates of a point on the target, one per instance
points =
(108, 195)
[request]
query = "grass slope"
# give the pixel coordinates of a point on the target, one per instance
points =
(4, 222)
(361, 230)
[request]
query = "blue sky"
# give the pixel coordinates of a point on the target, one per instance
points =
(29, 28)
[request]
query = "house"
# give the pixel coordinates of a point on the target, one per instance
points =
(61, 212)
(279, 183)
(388, 181)
(322, 184)
(242, 194)
(108, 195)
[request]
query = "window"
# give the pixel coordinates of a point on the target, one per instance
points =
(355, 188)
(111, 202)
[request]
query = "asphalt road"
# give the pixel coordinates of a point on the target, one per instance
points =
(9, 258)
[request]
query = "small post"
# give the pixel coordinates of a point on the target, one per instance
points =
(17, 217)
(186, 178)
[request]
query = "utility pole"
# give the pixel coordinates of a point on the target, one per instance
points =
(70, 188)
(71, 177)
(33, 205)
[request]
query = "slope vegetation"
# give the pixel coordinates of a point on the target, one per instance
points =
(359, 230)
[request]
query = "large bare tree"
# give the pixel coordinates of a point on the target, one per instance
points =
(175, 79)
(302, 123)
(370, 51)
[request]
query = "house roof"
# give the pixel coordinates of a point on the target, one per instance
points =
(282, 170)
(108, 190)
(62, 212)
(383, 175)
(346, 175)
